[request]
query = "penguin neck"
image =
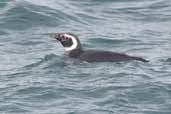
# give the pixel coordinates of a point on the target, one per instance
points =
(75, 53)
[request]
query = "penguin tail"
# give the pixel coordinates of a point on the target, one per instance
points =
(140, 59)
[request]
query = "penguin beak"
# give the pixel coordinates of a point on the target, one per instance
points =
(56, 36)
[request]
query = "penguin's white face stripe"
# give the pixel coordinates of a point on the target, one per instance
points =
(74, 45)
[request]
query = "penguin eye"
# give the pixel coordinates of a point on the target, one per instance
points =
(66, 38)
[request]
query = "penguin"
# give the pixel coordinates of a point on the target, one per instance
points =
(73, 48)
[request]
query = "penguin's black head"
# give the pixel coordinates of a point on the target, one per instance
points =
(65, 39)
(69, 41)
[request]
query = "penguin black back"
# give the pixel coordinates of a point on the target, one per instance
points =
(72, 46)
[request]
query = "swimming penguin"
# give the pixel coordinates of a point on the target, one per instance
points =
(72, 46)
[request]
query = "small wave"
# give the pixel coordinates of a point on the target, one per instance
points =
(48, 61)
(3, 32)
(108, 41)
(47, 3)
(168, 61)
(7, 6)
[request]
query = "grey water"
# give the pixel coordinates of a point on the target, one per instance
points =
(36, 78)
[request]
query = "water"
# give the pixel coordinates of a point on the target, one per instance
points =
(35, 78)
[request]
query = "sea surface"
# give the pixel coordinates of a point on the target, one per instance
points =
(36, 77)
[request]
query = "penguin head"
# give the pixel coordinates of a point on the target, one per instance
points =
(69, 41)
